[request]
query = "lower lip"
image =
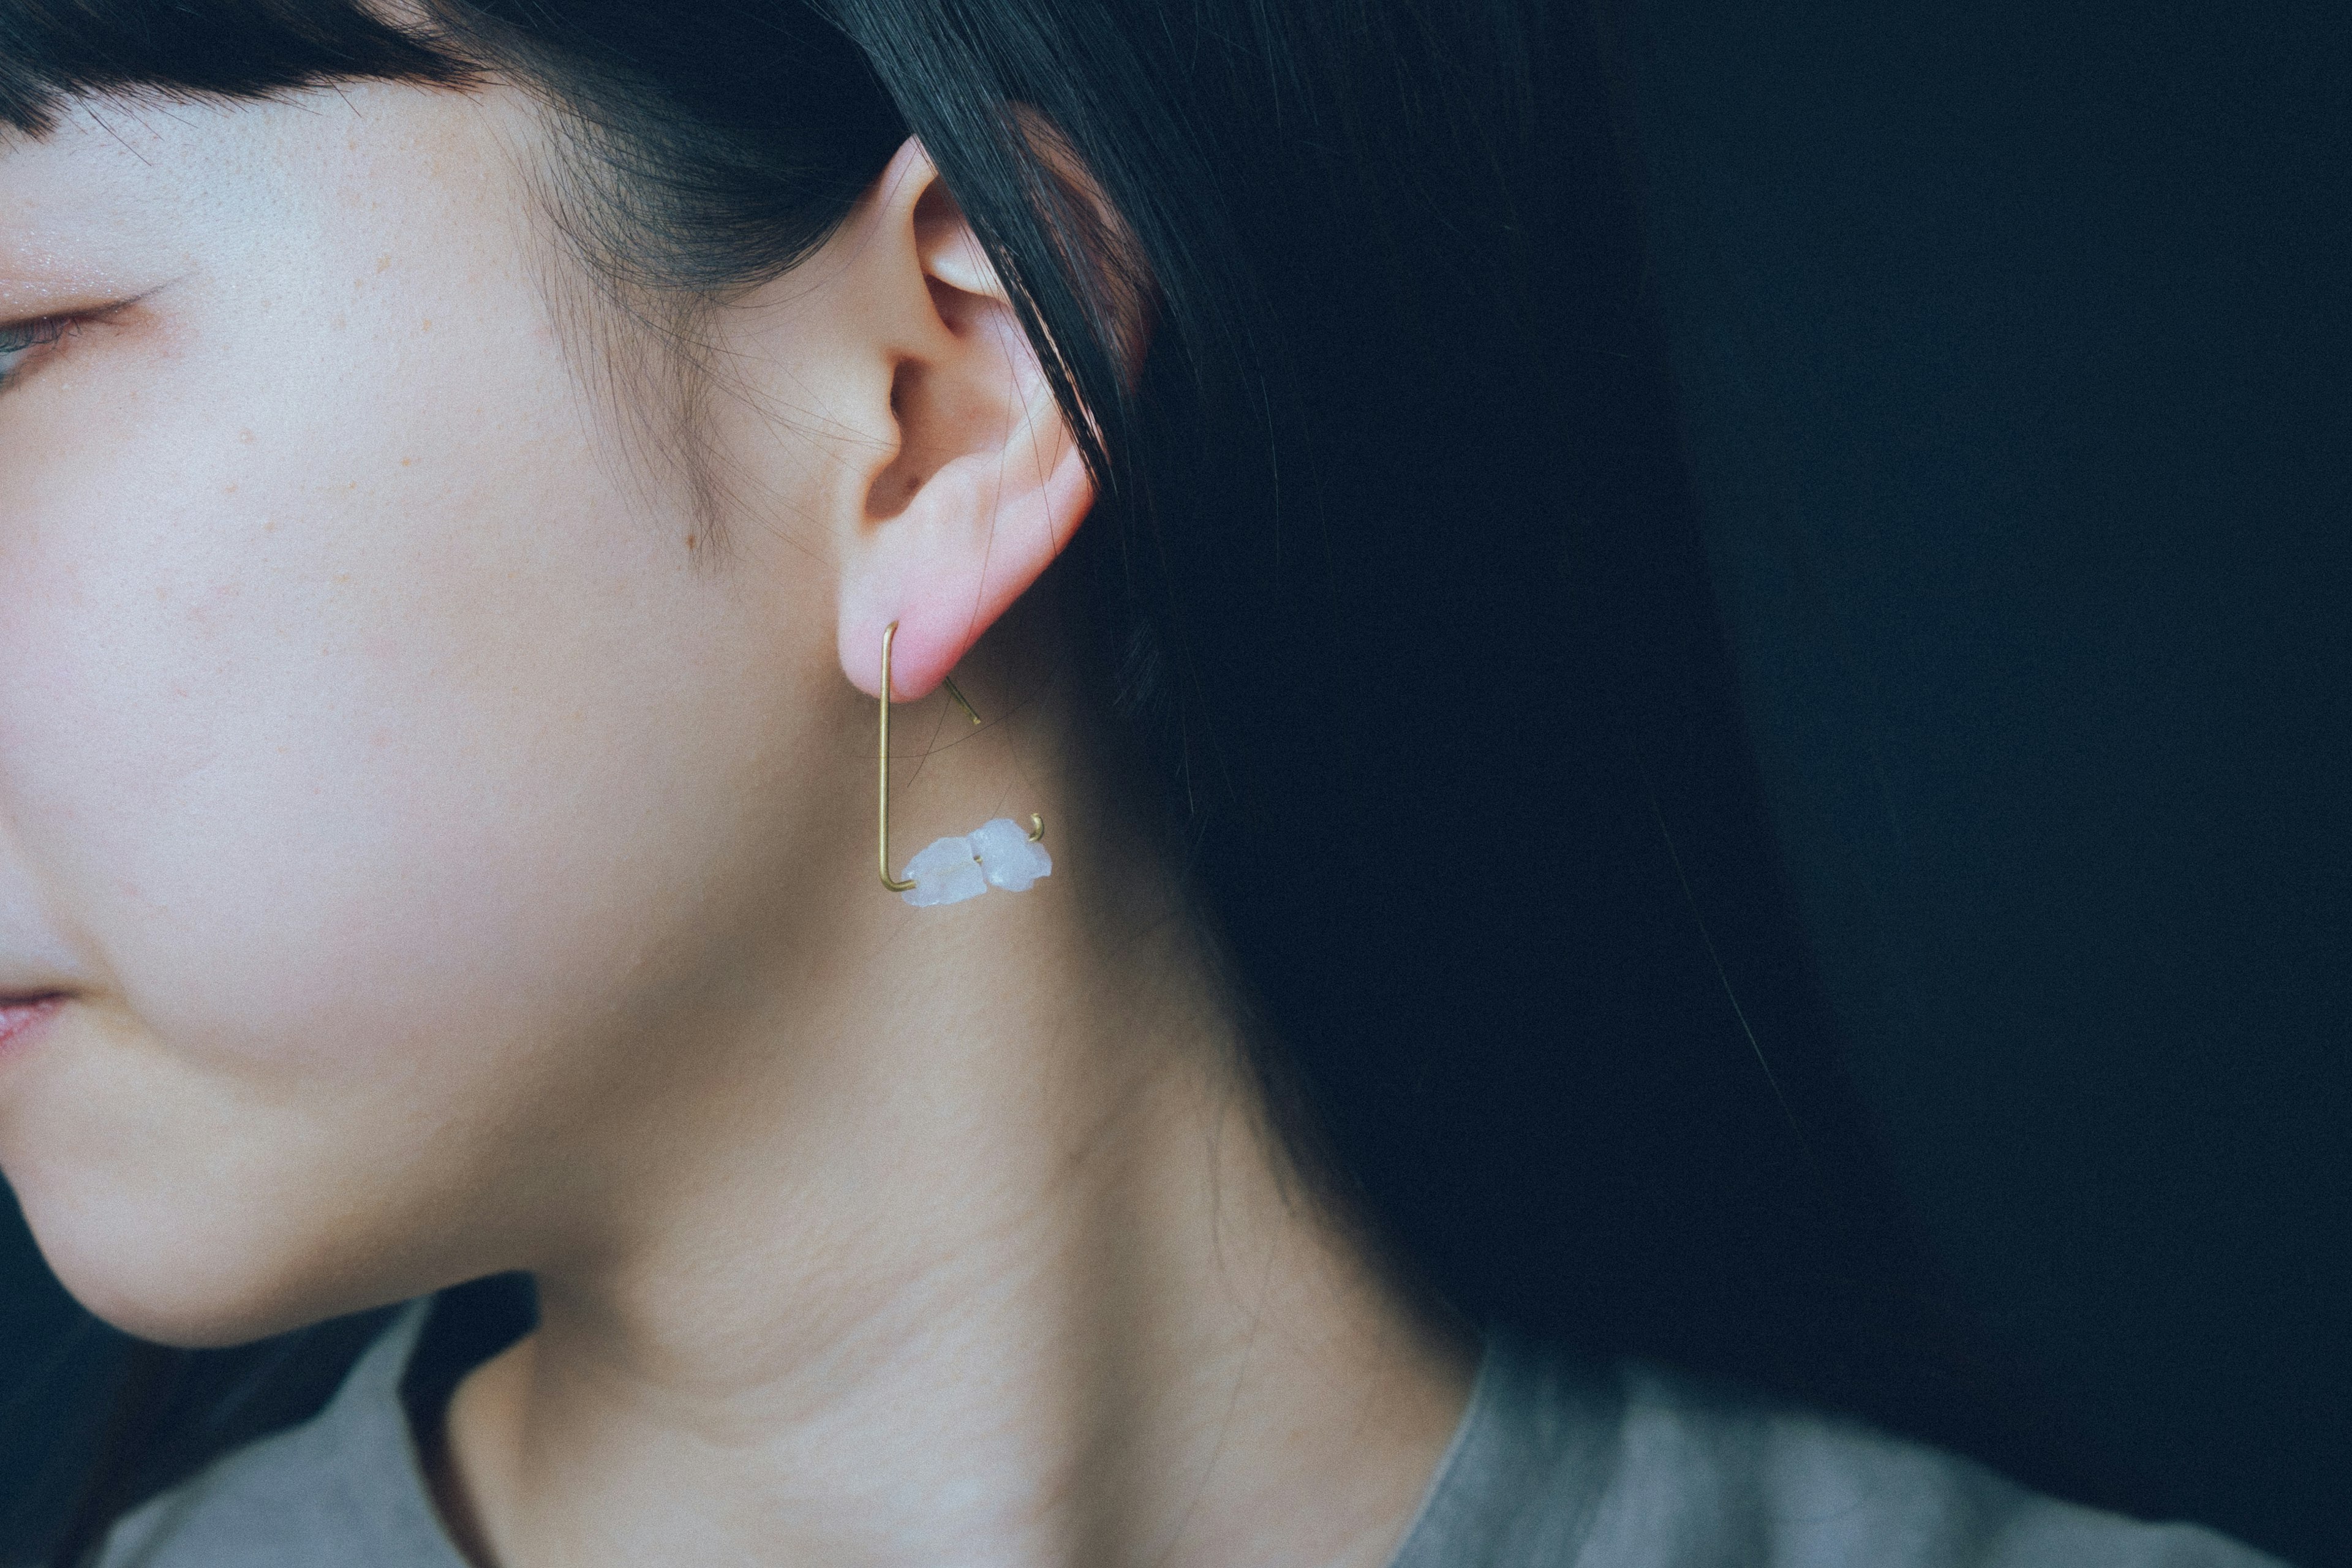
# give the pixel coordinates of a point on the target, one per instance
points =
(21, 1022)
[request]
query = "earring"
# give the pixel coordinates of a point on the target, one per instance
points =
(994, 855)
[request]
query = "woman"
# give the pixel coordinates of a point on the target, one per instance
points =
(479, 476)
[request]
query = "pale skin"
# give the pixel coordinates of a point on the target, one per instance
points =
(456, 859)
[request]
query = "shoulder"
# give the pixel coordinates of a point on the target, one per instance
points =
(344, 1486)
(1743, 1480)
(275, 1501)
(1562, 1462)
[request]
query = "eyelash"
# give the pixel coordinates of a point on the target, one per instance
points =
(19, 340)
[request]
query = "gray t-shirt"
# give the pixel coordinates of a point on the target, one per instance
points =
(1556, 1462)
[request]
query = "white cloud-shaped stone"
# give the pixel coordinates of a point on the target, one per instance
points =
(955, 869)
(1008, 857)
(947, 873)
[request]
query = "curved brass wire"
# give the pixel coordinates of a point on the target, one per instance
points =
(882, 857)
(882, 854)
(961, 700)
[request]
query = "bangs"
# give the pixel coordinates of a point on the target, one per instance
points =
(54, 52)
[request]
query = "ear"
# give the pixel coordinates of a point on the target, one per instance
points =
(984, 485)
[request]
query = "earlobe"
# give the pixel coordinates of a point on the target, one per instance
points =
(973, 539)
(984, 485)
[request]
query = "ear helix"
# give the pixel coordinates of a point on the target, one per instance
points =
(997, 853)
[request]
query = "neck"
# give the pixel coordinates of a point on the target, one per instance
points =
(988, 1258)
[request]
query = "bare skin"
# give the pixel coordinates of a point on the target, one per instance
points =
(455, 855)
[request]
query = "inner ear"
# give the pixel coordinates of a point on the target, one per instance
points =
(970, 397)
(945, 411)
(918, 459)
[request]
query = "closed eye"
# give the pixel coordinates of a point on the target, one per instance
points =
(24, 344)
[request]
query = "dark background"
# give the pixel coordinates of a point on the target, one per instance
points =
(1934, 1003)
(2017, 368)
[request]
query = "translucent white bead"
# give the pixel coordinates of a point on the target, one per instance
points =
(1007, 856)
(955, 869)
(947, 873)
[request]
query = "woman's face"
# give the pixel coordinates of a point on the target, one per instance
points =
(381, 771)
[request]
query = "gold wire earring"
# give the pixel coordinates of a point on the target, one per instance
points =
(997, 853)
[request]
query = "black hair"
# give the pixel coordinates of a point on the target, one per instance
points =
(1393, 582)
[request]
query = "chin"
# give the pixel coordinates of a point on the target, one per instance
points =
(160, 1272)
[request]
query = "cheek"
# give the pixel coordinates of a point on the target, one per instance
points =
(383, 797)
(380, 765)
(340, 715)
